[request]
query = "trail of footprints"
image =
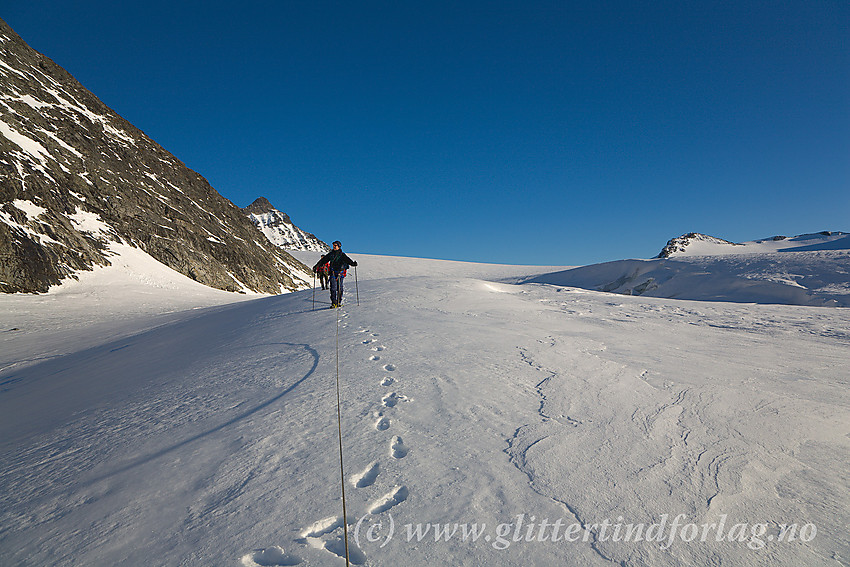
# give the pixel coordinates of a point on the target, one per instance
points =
(327, 533)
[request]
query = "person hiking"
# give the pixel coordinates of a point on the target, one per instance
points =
(339, 263)
(324, 275)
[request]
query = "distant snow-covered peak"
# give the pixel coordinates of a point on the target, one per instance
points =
(696, 244)
(279, 228)
(809, 269)
(262, 206)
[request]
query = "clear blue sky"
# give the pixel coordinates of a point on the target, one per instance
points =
(516, 132)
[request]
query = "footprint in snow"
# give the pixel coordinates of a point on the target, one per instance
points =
(392, 399)
(270, 556)
(367, 477)
(337, 547)
(315, 537)
(375, 357)
(389, 367)
(382, 424)
(398, 449)
(379, 348)
(394, 498)
(387, 381)
(368, 341)
(322, 527)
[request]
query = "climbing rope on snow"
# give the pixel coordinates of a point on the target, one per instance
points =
(339, 427)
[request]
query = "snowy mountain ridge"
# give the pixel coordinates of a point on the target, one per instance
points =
(809, 269)
(697, 244)
(280, 230)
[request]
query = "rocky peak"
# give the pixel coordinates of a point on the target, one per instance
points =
(279, 228)
(262, 205)
(680, 244)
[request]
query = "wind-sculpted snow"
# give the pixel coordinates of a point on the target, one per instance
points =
(210, 438)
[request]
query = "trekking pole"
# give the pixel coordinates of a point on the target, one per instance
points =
(314, 291)
(356, 288)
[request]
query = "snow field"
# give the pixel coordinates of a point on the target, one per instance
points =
(211, 438)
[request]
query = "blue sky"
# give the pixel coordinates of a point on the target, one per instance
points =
(514, 132)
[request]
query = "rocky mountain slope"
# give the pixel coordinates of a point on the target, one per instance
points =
(280, 230)
(76, 178)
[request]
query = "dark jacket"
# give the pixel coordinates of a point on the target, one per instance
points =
(338, 260)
